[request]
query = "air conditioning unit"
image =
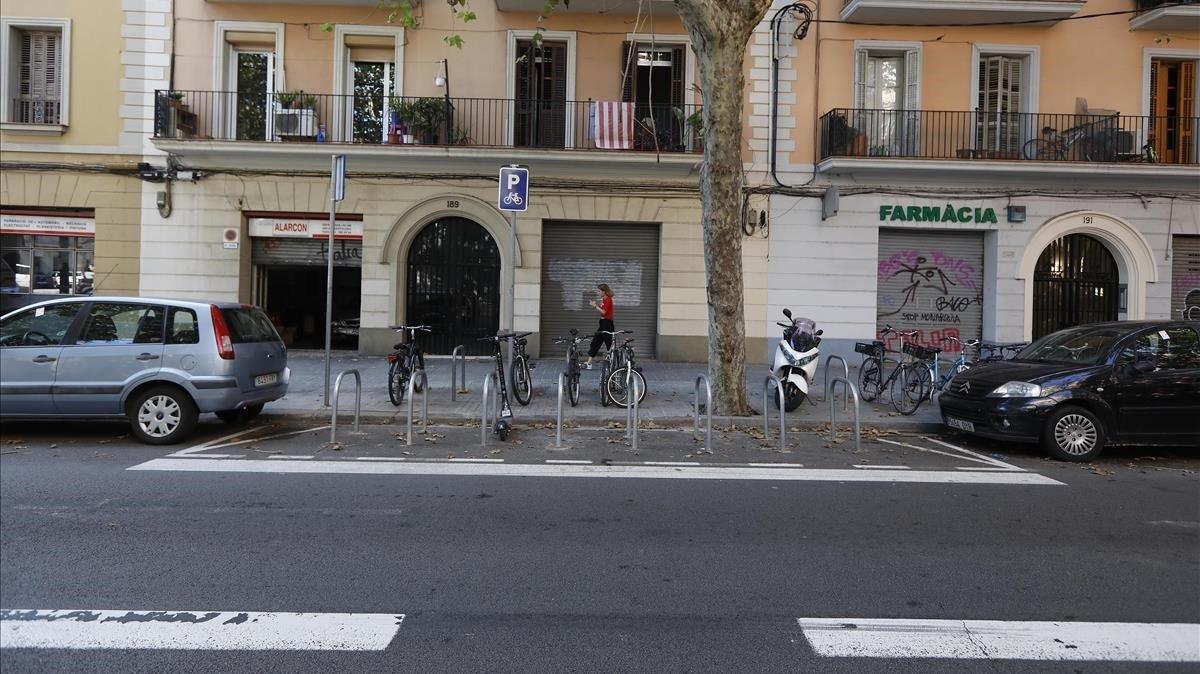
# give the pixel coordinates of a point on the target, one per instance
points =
(295, 123)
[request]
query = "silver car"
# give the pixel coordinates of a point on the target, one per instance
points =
(158, 363)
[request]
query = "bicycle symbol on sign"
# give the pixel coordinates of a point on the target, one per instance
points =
(513, 199)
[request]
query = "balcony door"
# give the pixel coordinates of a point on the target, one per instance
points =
(1173, 110)
(370, 114)
(253, 75)
(540, 108)
(1001, 100)
(652, 78)
(887, 100)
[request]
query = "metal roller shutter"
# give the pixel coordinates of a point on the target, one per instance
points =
(1185, 277)
(304, 252)
(930, 281)
(576, 256)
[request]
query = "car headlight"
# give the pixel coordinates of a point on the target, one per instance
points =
(1017, 389)
(807, 359)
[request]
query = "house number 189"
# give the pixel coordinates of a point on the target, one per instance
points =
(451, 203)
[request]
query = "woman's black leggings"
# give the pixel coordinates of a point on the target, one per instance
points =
(601, 338)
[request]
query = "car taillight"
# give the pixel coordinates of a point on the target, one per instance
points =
(221, 330)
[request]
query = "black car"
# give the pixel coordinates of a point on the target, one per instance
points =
(1076, 390)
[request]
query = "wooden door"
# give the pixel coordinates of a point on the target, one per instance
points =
(1173, 110)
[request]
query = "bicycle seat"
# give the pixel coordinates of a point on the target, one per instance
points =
(1049, 130)
(627, 342)
(934, 349)
(400, 347)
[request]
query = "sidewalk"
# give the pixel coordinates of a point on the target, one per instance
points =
(668, 400)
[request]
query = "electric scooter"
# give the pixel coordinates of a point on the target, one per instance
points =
(503, 423)
(796, 360)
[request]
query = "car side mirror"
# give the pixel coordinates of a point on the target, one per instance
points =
(787, 312)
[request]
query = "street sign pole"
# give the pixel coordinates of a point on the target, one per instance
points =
(513, 197)
(512, 274)
(337, 191)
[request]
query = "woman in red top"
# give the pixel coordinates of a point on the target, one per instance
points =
(605, 307)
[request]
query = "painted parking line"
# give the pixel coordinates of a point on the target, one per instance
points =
(197, 630)
(448, 468)
(955, 452)
(230, 441)
(1002, 640)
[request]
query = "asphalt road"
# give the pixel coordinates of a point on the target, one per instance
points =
(498, 573)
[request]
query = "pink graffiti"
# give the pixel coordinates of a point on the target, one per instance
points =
(897, 262)
(960, 270)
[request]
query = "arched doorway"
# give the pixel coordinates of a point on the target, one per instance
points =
(453, 285)
(1076, 281)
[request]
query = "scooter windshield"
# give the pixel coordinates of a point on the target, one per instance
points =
(803, 337)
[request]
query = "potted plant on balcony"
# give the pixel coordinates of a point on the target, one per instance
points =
(688, 125)
(297, 116)
(424, 117)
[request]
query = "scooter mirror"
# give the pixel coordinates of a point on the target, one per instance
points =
(819, 333)
(787, 312)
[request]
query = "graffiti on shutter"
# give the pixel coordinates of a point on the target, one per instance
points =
(1185, 277)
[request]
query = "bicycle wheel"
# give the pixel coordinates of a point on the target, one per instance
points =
(522, 386)
(910, 387)
(419, 364)
(1040, 149)
(397, 382)
(573, 382)
(870, 379)
(603, 381)
(617, 391)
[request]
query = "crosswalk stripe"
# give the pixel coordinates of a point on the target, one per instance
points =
(197, 630)
(674, 472)
(1002, 640)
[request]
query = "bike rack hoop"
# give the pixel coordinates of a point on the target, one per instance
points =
(845, 373)
(483, 404)
(337, 389)
(768, 383)
(633, 389)
(457, 372)
(412, 386)
(702, 379)
(851, 392)
(558, 428)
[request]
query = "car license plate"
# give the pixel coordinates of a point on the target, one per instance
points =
(266, 379)
(960, 424)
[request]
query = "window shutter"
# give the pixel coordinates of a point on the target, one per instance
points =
(861, 95)
(39, 87)
(628, 74)
(1187, 112)
(912, 79)
(678, 66)
(1154, 67)
(1012, 85)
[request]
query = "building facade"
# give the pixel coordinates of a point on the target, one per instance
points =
(998, 181)
(600, 111)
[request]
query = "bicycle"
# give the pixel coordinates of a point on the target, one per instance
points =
(871, 382)
(572, 369)
(610, 364)
(503, 423)
(522, 380)
(621, 377)
(922, 378)
(405, 359)
(1095, 145)
(989, 352)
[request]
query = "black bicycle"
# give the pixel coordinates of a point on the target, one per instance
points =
(519, 369)
(503, 423)
(616, 386)
(572, 368)
(610, 363)
(405, 359)
(871, 382)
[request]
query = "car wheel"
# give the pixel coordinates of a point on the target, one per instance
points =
(240, 416)
(1073, 434)
(162, 415)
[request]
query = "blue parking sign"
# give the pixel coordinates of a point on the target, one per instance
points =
(514, 189)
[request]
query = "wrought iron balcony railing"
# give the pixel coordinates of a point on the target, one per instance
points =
(934, 134)
(298, 117)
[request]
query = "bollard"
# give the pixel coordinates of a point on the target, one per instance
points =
(337, 389)
(459, 353)
(483, 403)
(633, 388)
(559, 414)
(424, 402)
(845, 373)
(702, 379)
(770, 381)
(851, 391)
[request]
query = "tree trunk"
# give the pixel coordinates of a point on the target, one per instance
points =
(720, 31)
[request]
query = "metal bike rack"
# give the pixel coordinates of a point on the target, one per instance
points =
(558, 418)
(412, 386)
(851, 392)
(337, 389)
(770, 381)
(633, 389)
(483, 403)
(702, 379)
(459, 353)
(845, 373)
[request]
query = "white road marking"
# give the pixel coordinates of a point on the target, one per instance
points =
(610, 471)
(293, 457)
(960, 457)
(270, 437)
(211, 443)
(570, 462)
(381, 458)
(1002, 640)
(670, 463)
(197, 630)
(977, 455)
(867, 465)
(470, 460)
(775, 465)
(982, 468)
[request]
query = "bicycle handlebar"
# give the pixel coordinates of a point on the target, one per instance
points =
(414, 328)
(614, 334)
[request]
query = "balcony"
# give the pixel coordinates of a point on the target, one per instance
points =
(610, 7)
(444, 133)
(1180, 15)
(940, 12)
(949, 143)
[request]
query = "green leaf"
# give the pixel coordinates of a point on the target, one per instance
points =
(454, 41)
(327, 27)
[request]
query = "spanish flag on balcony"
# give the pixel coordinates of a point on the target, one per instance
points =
(612, 125)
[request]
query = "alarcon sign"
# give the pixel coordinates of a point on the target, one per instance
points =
(947, 213)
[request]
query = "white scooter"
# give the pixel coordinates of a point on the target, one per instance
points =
(796, 360)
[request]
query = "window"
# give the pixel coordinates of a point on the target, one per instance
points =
(111, 323)
(372, 100)
(36, 65)
(887, 96)
(47, 265)
(1171, 349)
(249, 325)
(40, 326)
(999, 103)
(654, 77)
(182, 327)
(248, 65)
